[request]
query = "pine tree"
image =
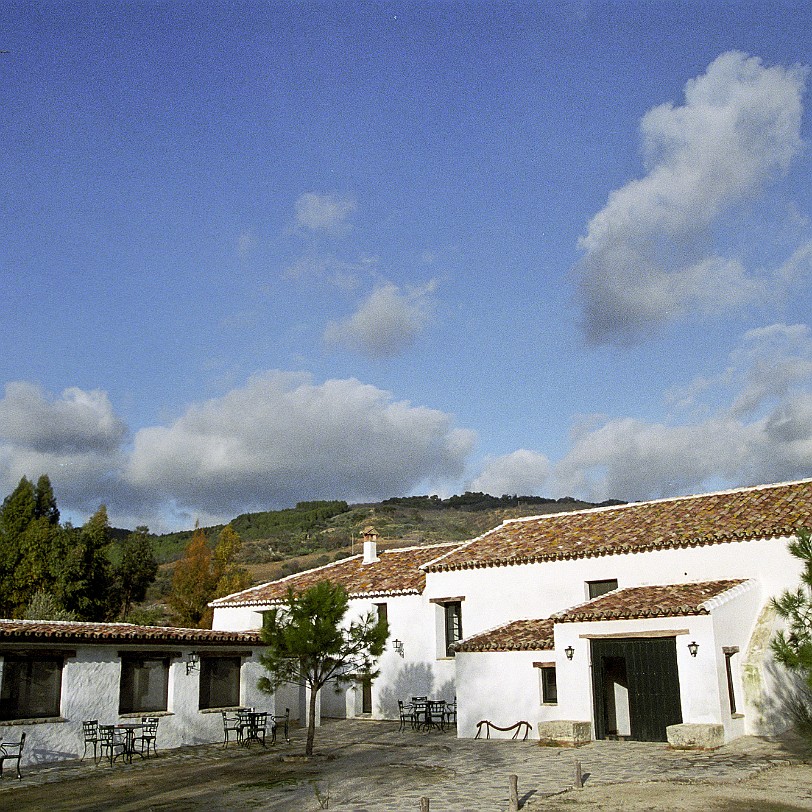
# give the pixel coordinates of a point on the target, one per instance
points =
(793, 647)
(309, 643)
(136, 570)
(86, 576)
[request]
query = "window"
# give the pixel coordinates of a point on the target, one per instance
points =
(547, 683)
(219, 682)
(729, 651)
(144, 684)
(453, 625)
(383, 614)
(31, 686)
(597, 588)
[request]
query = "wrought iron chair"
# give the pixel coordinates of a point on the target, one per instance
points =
(406, 714)
(285, 719)
(420, 709)
(12, 751)
(231, 724)
(112, 742)
(148, 736)
(90, 734)
(435, 714)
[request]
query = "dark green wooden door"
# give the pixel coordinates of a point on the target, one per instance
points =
(652, 680)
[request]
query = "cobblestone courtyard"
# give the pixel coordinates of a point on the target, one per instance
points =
(368, 766)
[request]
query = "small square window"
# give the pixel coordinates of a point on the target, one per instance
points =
(597, 588)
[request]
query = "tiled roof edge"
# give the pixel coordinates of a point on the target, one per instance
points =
(377, 593)
(728, 595)
(436, 565)
(234, 595)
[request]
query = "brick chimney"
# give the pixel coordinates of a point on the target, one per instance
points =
(370, 545)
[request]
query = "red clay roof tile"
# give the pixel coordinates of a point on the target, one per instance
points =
(768, 511)
(29, 631)
(396, 572)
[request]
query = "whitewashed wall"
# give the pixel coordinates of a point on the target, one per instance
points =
(497, 595)
(90, 690)
(502, 687)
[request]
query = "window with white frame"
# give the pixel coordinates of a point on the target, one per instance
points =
(548, 686)
(453, 625)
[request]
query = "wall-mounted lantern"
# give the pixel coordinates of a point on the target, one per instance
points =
(397, 645)
(693, 647)
(192, 662)
(570, 652)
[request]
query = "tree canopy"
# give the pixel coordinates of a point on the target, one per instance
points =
(309, 642)
(53, 570)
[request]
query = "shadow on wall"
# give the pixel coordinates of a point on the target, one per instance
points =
(786, 705)
(414, 679)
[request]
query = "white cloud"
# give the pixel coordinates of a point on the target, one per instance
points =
(282, 438)
(387, 321)
(329, 213)
(78, 420)
(521, 472)
(315, 265)
(760, 432)
(76, 439)
(646, 260)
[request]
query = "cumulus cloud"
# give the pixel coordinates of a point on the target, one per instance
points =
(387, 322)
(522, 472)
(282, 438)
(77, 420)
(646, 257)
(328, 213)
(761, 433)
(75, 438)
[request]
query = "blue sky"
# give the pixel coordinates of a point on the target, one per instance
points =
(255, 253)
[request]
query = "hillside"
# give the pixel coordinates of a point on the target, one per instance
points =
(281, 542)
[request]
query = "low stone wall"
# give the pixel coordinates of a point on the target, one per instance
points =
(696, 736)
(564, 733)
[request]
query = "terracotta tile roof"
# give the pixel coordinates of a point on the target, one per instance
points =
(520, 635)
(397, 572)
(33, 631)
(672, 600)
(768, 511)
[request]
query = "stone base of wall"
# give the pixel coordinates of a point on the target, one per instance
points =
(695, 737)
(564, 733)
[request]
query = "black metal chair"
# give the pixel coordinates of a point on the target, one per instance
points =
(12, 751)
(406, 714)
(420, 709)
(112, 742)
(90, 734)
(148, 736)
(435, 714)
(451, 713)
(231, 724)
(285, 720)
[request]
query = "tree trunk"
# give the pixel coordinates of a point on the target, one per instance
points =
(311, 723)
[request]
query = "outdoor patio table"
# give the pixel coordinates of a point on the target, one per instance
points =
(129, 729)
(252, 724)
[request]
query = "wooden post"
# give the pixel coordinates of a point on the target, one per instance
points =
(424, 805)
(514, 793)
(579, 779)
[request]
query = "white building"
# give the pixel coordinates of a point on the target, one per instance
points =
(56, 674)
(611, 622)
